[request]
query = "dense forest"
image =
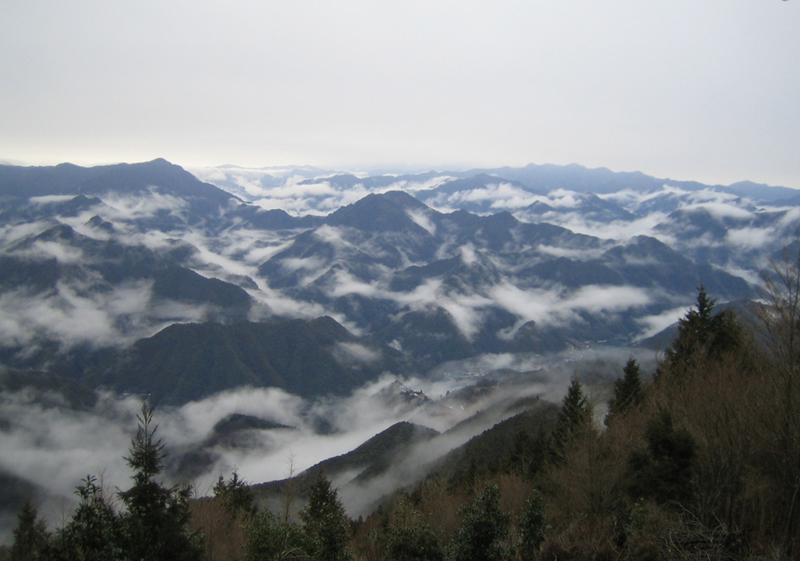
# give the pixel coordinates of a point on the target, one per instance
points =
(699, 461)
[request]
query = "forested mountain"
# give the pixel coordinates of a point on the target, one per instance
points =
(409, 337)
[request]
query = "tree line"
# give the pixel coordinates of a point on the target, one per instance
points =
(701, 460)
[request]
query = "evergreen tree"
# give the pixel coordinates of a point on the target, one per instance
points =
(30, 536)
(484, 528)
(269, 539)
(528, 454)
(574, 418)
(325, 523)
(664, 470)
(627, 390)
(694, 332)
(531, 527)
(155, 525)
(703, 335)
(410, 538)
(94, 532)
(235, 495)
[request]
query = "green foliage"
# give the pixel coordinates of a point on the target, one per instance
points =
(663, 472)
(94, 533)
(235, 495)
(325, 523)
(528, 454)
(30, 536)
(155, 525)
(574, 418)
(269, 539)
(628, 390)
(703, 335)
(715, 476)
(532, 527)
(483, 531)
(410, 538)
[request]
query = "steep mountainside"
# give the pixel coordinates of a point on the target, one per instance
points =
(190, 361)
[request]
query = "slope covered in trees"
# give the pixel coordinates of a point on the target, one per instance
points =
(700, 462)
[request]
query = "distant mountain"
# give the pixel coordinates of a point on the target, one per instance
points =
(546, 177)
(69, 179)
(492, 450)
(369, 460)
(546, 258)
(428, 281)
(191, 361)
(406, 453)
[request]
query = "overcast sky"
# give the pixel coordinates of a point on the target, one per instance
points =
(704, 89)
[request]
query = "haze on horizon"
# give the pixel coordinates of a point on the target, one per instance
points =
(685, 89)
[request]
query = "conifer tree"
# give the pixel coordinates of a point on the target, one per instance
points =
(574, 418)
(156, 522)
(94, 533)
(410, 538)
(627, 390)
(664, 470)
(528, 454)
(30, 536)
(703, 335)
(325, 523)
(483, 531)
(271, 539)
(531, 527)
(235, 495)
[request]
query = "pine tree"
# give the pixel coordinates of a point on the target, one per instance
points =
(325, 523)
(155, 525)
(94, 532)
(664, 470)
(30, 536)
(235, 495)
(694, 331)
(484, 528)
(627, 390)
(531, 527)
(410, 538)
(528, 454)
(269, 538)
(574, 418)
(702, 335)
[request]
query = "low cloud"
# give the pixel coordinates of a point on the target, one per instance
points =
(656, 323)
(421, 219)
(73, 315)
(302, 193)
(121, 207)
(750, 238)
(720, 210)
(559, 307)
(348, 353)
(571, 253)
(50, 199)
(44, 250)
(613, 230)
(52, 446)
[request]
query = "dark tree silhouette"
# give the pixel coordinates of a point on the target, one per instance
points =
(325, 523)
(663, 471)
(574, 418)
(30, 536)
(627, 390)
(156, 521)
(484, 528)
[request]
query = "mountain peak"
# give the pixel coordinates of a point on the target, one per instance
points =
(379, 212)
(401, 198)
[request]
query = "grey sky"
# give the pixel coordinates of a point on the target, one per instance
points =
(705, 89)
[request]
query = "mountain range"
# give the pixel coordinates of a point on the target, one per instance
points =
(152, 262)
(266, 309)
